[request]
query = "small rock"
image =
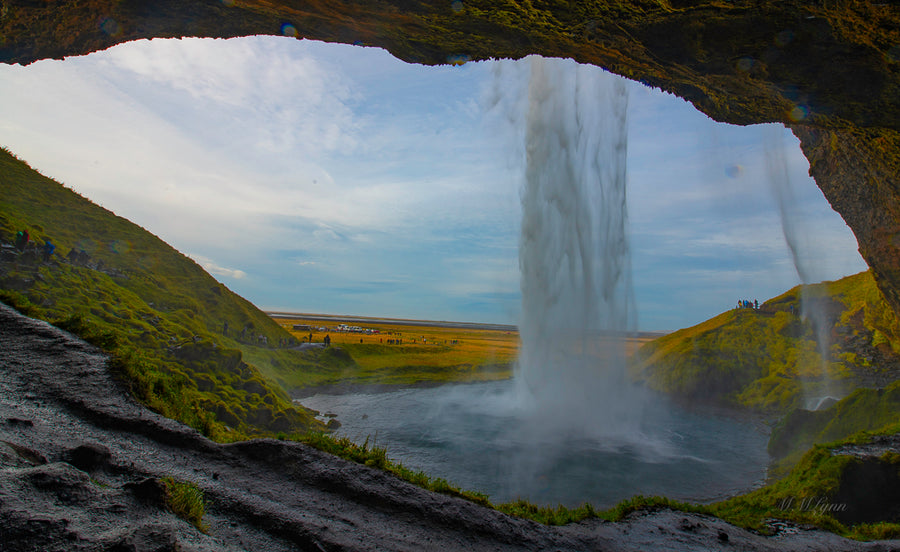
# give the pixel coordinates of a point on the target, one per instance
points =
(89, 457)
(149, 491)
(19, 422)
(723, 536)
(333, 424)
(689, 527)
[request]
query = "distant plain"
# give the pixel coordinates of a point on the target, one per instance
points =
(399, 352)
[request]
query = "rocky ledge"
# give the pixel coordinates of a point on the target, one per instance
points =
(80, 465)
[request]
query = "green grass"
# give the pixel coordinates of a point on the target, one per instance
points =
(376, 457)
(857, 417)
(159, 314)
(186, 501)
(809, 494)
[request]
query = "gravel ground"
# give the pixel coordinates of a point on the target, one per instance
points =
(80, 460)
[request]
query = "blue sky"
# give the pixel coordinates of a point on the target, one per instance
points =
(337, 179)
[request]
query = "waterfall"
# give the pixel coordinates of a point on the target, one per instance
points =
(577, 297)
(796, 238)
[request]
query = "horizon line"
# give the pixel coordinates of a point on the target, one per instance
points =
(435, 323)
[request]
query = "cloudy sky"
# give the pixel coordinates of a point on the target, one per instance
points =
(337, 179)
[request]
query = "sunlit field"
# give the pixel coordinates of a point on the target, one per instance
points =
(417, 352)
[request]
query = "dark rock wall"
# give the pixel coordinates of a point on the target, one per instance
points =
(858, 170)
(830, 68)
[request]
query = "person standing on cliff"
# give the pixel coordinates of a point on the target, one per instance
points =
(21, 239)
(48, 250)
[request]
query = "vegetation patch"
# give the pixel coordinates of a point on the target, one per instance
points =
(186, 501)
(856, 418)
(562, 515)
(816, 492)
(376, 457)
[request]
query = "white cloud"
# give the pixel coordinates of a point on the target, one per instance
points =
(268, 93)
(211, 267)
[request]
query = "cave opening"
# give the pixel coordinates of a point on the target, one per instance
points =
(335, 178)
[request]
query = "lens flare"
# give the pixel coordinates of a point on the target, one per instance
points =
(120, 246)
(745, 64)
(85, 244)
(289, 30)
(784, 38)
(799, 113)
(458, 59)
(110, 26)
(734, 171)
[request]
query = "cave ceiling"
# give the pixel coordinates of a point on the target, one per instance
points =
(829, 69)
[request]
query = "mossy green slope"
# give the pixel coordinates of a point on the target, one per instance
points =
(178, 337)
(767, 359)
(823, 490)
(856, 418)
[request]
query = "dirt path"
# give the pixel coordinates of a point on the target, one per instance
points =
(59, 409)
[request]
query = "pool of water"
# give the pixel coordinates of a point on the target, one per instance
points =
(473, 436)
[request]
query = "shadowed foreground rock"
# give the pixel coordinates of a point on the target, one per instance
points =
(59, 407)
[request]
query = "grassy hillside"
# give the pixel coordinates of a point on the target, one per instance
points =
(179, 338)
(770, 359)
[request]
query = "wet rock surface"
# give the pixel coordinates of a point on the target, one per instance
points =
(80, 463)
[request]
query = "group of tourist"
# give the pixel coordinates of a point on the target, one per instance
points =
(23, 238)
(747, 304)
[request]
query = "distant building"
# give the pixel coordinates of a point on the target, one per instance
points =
(302, 327)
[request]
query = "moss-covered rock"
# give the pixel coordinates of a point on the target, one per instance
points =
(864, 410)
(853, 495)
